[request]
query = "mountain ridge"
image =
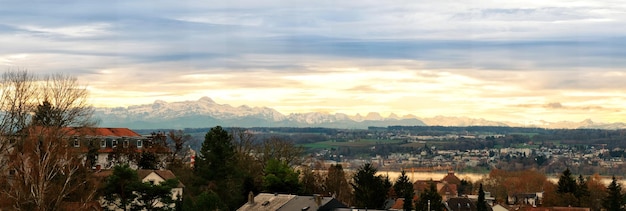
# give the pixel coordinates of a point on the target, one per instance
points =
(205, 112)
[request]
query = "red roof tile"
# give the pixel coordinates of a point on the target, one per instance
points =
(118, 132)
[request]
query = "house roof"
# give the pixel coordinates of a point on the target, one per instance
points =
(450, 178)
(165, 174)
(142, 173)
(421, 185)
(556, 209)
(82, 131)
(443, 188)
(115, 132)
(309, 203)
(498, 207)
(267, 202)
(447, 189)
(398, 205)
(458, 204)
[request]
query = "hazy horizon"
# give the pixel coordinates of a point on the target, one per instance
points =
(503, 61)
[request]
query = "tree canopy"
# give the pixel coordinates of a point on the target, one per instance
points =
(430, 199)
(369, 189)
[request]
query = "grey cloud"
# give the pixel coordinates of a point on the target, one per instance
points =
(559, 106)
(155, 32)
(556, 105)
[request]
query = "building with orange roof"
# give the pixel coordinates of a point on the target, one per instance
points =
(106, 147)
(447, 187)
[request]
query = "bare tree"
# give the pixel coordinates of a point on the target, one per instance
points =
(244, 143)
(280, 149)
(179, 151)
(41, 167)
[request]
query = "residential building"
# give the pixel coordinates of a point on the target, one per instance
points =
(286, 202)
(146, 175)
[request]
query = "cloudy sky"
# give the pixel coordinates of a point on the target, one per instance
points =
(499, 60)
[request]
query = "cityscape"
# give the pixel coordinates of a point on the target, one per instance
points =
(313, 105)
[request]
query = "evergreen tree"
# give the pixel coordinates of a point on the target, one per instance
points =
(148, 160)
(430, 199)
(119, 188)
(44, 114)
(207, 201)
(216, 167)
(280, 178)
(124, 187)
(465, 188)
(567, 190)
(155, 196)
(404, 188)
(481, 204)
(369, 189)
(567, 183)
(615, 198)
(216, 155)
(582, 192)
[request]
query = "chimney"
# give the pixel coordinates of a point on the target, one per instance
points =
(250, 198)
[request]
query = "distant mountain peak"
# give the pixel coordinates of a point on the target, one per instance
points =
(207, 113)
(373, 116)
(206, 99)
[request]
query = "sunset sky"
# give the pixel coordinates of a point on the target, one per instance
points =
(499, 60)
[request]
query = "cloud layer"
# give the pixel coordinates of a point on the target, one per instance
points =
(512, 60)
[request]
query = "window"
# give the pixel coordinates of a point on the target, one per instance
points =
(125, 143)
(114, 143)
(139, 144)
(76, 142)
(103, 143)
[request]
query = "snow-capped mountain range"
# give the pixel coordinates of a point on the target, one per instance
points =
(207, 113)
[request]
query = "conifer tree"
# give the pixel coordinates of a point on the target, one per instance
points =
(404, 188)
(216, 167)
(582, 192)
(430, 199)
(566, 183)
(481, 204)
(567, 190)
(369, 189)
(615, 198)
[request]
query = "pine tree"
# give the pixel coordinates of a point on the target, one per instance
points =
(582, 192)
(280, 178)
(481, 204)
(566, 183)
(615, 199)
(369, 189)
(430, 199)
(567, 188)
(404, 188)
(217, 167)
(216, 155)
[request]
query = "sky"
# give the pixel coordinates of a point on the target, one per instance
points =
(511, 60)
